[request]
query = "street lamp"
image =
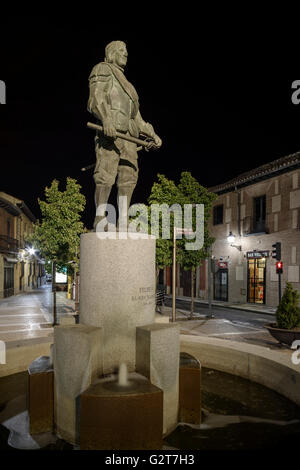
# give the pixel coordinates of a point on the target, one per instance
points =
(231, 240)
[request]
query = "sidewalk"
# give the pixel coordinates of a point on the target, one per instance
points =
(30, 315)
(237, 331)
(247, 307)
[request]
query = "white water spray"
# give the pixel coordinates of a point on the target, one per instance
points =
(123, 375)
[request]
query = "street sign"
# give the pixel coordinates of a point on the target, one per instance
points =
(258, 254)
(183, 231)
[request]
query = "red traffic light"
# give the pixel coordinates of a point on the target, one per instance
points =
(279, 267)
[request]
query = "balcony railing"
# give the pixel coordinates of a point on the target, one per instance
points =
(8, 244)
(251, 227)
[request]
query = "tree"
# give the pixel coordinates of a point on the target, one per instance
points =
(188, 191)
(57, 235)
(164, 191)
(288, 311)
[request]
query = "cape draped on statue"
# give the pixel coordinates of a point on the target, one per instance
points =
(125, 84)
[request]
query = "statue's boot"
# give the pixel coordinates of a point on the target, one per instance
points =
(124, 199)
(101, 197)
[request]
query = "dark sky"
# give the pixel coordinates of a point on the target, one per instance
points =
(218, 114)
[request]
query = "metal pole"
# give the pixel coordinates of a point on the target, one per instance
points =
(279, 286)
(174, 278)
(209, 283)
(54, 291)
(77, 292)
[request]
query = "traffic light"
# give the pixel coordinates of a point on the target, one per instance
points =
(279, 267)
(276, 253)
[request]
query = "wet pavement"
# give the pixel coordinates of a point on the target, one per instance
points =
(238, 414)
(232, 324)
(230, 331)
(30, 315)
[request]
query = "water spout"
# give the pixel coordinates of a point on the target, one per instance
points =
(123, 375)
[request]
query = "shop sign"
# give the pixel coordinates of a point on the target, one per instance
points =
(258, 254)
(222, 264)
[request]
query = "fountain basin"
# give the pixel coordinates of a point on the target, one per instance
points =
(123, 417)
(269, 367)
(239, 415)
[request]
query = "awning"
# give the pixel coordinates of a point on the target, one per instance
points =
(11, 260)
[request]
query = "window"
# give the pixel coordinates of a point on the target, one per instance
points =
(259, 214)
(218, 215)
(8, 228)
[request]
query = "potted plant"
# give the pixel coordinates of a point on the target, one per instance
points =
(287, 328)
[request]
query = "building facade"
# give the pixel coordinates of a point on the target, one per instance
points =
(257, 209)
(20, 271)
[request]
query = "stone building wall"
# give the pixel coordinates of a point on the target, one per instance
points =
(282, 225)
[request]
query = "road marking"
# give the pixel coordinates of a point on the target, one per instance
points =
(237, 333)
(30, 325)
(27, 330)
(244, 325)
(21, 315)
(25, 323)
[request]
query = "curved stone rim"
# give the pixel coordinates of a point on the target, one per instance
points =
(272, 369)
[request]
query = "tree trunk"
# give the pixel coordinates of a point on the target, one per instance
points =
(192, 292)
(54, 292)
(157, 274)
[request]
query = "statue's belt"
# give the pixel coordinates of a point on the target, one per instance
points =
(124, 162)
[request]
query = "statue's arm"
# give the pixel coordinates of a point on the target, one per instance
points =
(100, 81)
(146, 128)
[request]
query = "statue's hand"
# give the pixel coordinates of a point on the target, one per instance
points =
(157, 141)
(109, 129)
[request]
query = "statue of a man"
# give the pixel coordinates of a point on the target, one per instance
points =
(114, 101)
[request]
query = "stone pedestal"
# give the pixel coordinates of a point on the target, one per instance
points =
(121, 417)
(157, 358)
(40, 395)
(117, 292)
(77, 362)
(66, 320)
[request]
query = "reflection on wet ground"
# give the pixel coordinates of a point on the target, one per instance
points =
(30, 315)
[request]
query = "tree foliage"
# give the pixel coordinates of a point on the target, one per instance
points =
(188, 191)
(57, 235)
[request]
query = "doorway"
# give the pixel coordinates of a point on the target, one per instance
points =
(257, 281)
(8, 279)
(221, 285)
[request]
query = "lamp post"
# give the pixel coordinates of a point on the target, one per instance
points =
(210, 315)
(231, 240)
(174, 277)
(54, 291)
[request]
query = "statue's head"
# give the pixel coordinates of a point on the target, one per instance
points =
(116, 53)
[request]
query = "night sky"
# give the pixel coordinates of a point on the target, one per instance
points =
(218, 115)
